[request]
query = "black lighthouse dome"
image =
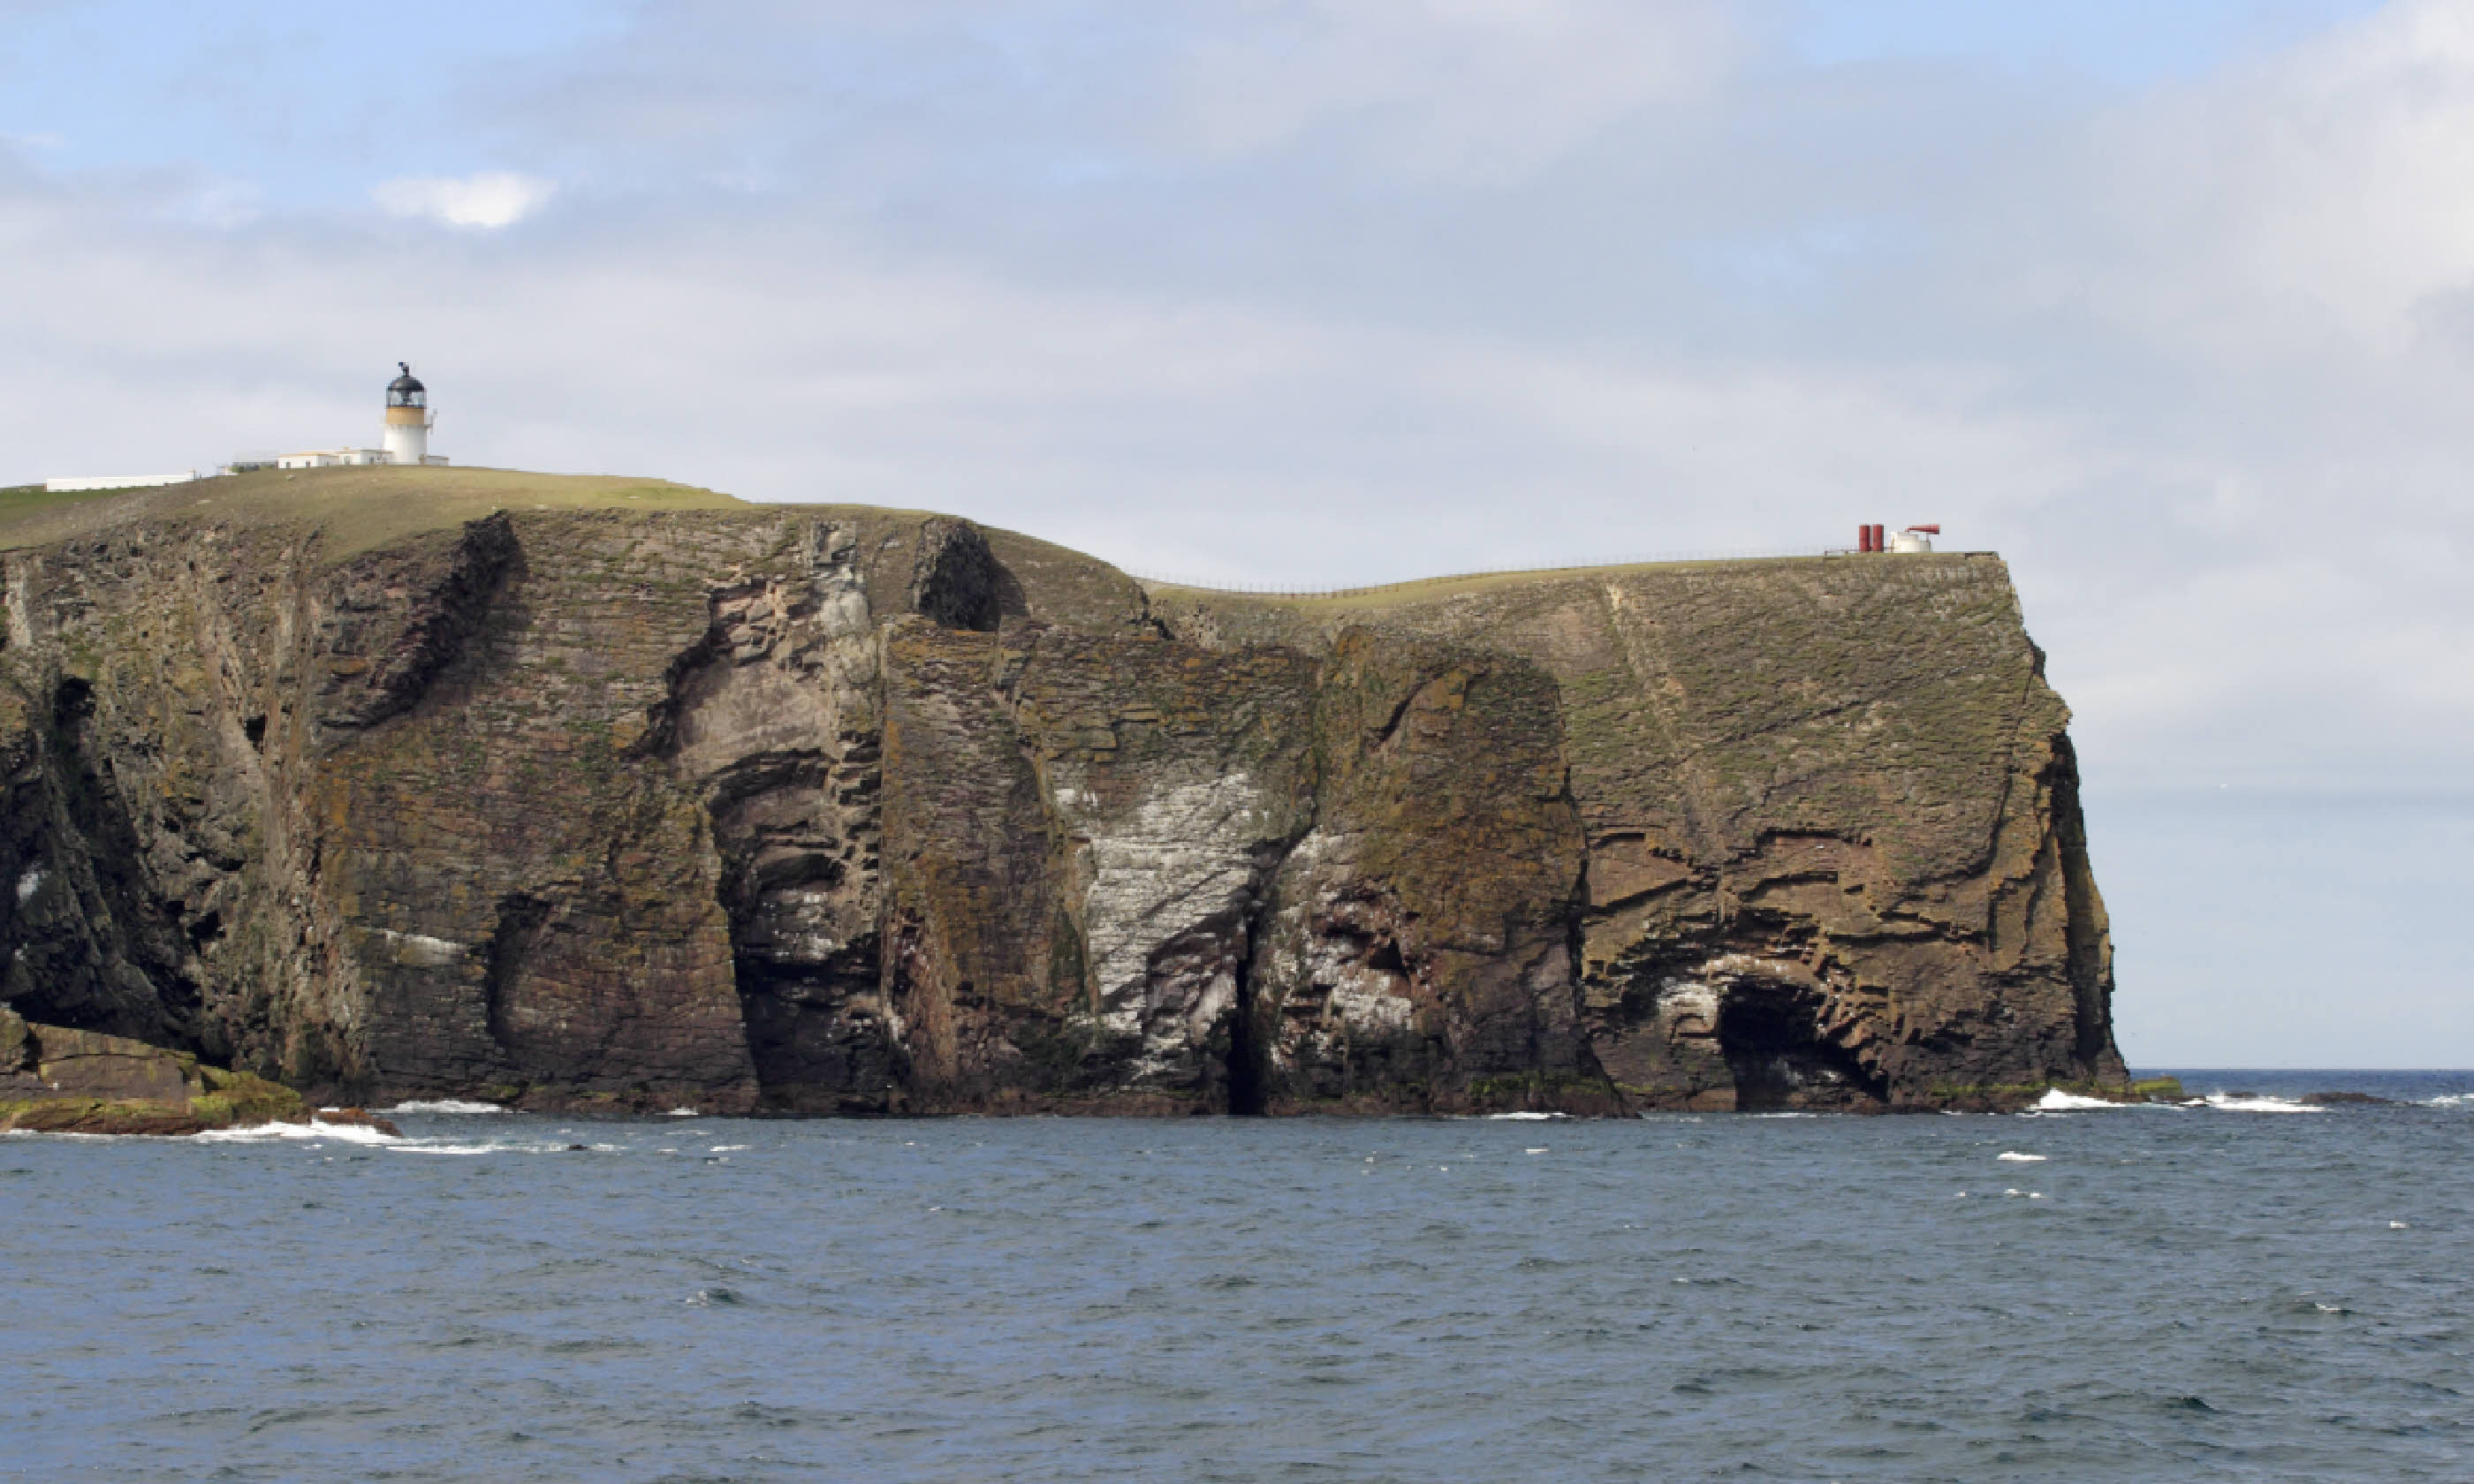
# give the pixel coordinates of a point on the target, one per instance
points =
(406, 390)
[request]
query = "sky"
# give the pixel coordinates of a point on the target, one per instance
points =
(2171, 303)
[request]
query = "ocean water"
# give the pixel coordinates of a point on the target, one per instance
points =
(2235, 1291)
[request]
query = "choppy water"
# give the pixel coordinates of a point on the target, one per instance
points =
(2205, 1293)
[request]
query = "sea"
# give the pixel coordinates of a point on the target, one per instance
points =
(2247, 1287)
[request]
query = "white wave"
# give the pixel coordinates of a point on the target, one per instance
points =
(446, 1105)
(1541, 1149)
(2056, 1100)
(1784, 1115)
(331, 1132)
(413, 1146)
(716, 1149)
(2450, 1100)
(252, 1133)
(2014, 1157)
(1526, 1118)
(2229, 1103)
(680, 1112)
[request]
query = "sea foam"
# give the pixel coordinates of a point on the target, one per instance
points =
(446, 1105)
(2229, 1103)
(331, 1132)
(2056, 1100)
(410, 1146)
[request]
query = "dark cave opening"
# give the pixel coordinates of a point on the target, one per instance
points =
(521, 917)
(72, 701)
(205, 931)
(1770, 1034)
(816, 1043)
(1248, 1089)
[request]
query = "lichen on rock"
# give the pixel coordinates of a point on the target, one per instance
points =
(57, 1080)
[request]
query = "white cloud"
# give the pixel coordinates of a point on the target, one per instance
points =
(1474, 90)
(2321, 192)
(489, 199)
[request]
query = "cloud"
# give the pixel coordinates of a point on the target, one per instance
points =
(1469, 90)
(490, 199)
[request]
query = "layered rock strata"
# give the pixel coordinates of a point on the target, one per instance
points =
(838, 810)
(59, 1079)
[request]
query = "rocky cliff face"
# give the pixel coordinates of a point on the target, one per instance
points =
(839, 809)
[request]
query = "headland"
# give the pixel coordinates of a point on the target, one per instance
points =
(578, 793)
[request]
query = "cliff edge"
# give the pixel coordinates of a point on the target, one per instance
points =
(598, 793)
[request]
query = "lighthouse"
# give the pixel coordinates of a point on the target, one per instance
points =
(407, 419)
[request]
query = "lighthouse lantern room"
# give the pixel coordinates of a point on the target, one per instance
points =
(407, 419)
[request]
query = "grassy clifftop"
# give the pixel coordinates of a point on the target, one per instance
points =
(358, 511)
(357, 508)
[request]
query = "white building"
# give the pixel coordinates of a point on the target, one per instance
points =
(408, 421)
(118, 482)
(331, 458)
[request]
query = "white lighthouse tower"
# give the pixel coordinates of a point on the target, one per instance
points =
(407, 419)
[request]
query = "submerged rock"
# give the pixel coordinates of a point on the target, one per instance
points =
(829, 808)
(357, 1118)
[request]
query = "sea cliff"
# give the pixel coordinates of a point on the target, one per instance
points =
(608, 794)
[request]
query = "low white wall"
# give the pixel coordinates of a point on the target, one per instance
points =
(118, 482)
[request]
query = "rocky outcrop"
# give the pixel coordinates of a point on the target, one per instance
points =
(835, 809)
(56, 1080)
(1834, 855)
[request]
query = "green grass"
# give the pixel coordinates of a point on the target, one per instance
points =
(20, 501)
(357, 509)
(1432, 589)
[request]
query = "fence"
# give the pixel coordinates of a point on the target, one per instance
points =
(1645, 559)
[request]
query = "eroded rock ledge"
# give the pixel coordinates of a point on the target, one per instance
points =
(836, 809)
(57, 1080)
